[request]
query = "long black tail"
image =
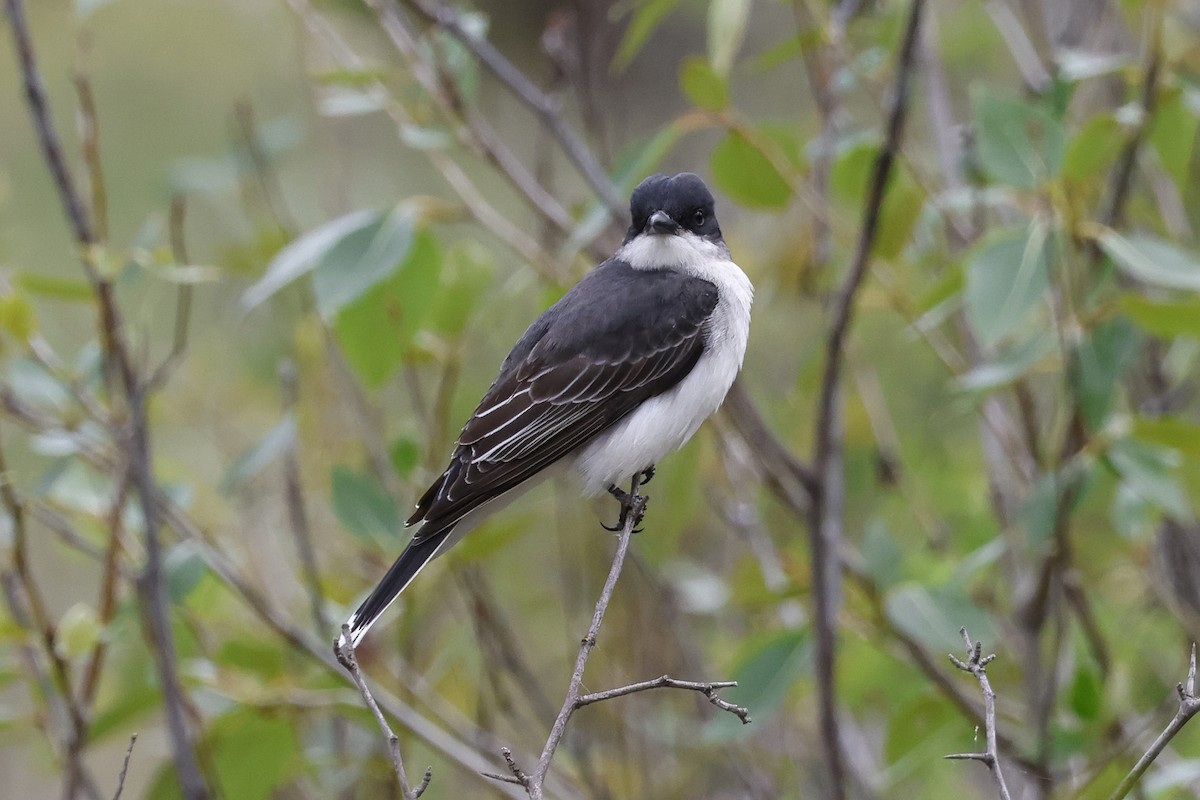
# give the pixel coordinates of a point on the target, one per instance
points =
(420, 550)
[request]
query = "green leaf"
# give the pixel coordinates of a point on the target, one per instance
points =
(702, 85)
(404, 454)
(1173, 135)
(184, 568)
(767, 670)
(1019, 144)
(376, 330)
(261, 658)
(304, 253)
(1094, 148)
(852, 166)
(363, 507)
(17, 316)
(933, 616)
(55, 288)
(726, 30)
(253, 754)
(902, 206)
(1010, 364)
(1168, 319)
(1086, 694)
(465, 277)
(1173, 432)
(646, 19)
(78, 631)
(1152, 260)
(274, 443)
(747, 175)
(1006, 276)
(882, 555)
(1097, 366)
(361, 260)
(1150, 473)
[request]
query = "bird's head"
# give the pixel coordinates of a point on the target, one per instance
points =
(673, 206)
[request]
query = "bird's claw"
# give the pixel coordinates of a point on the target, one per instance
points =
(647, 475)
(630, 504)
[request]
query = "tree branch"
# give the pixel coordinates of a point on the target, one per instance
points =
(125, 767)
(534, 99)
(348, 659)
(119, 365)
(533, 782)
(708, 689)
(976, 664)
(826, 510)
(1189, 704)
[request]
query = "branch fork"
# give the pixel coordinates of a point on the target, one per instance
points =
(533, 781)
(976, 664)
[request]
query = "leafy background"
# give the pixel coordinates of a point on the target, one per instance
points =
(1020, 442)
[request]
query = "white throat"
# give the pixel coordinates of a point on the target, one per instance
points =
(684, 251)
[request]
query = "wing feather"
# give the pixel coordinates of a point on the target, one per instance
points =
(617, 339)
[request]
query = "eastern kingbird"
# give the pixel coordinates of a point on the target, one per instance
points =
(610, 379)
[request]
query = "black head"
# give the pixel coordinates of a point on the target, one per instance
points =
(664, 206)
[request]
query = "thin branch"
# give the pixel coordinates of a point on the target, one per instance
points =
(708, 689)
(125, 767)
(1189, 704)
(118, 364)
(534, 783)
(574, 700)
(348, 659)
(183, 297)
(976, 664)
(297, 515)
(35, 96)
(826, 509)
(534, 99)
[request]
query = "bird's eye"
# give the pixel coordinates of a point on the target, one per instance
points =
(698, 218)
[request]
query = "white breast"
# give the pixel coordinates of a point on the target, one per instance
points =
(664, 423)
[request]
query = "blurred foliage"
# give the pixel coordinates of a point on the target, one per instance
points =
(1022, 436)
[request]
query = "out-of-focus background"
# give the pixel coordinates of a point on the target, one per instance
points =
(330, 221)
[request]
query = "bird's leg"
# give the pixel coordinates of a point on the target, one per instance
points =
(631, 503)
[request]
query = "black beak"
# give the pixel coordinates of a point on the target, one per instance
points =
(661, 222)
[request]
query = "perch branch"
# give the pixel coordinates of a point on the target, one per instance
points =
(348, 659)
(533, 782)
(976, 664)
(1189, 704)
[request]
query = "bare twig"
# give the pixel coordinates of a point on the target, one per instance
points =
(183, 297)
(1189, 704)
(297, 515)
(826, 509)
(708, 689)
(346, 655)
(976, 664)
(125, 767)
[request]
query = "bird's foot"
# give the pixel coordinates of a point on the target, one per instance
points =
(631, 504)
(647, 475)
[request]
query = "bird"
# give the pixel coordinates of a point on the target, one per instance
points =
(617, 374)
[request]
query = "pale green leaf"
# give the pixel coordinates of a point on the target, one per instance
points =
(302, 255)
(1152, 260)
(1006, 277)
(726, 29)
